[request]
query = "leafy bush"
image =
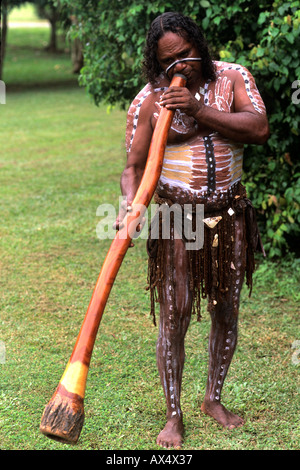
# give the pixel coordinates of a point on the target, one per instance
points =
(272, 173)
(262, 35)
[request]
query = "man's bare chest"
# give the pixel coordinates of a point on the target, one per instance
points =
(218, 95)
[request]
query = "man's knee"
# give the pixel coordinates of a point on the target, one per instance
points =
(224, 311)
(176, 309)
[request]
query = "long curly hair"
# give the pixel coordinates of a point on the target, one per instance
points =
(184, 27)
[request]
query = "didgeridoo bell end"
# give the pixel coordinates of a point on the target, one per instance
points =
(63, 417)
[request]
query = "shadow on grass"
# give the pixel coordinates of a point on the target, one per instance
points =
(71, 83)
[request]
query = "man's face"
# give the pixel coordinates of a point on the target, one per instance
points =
(172, 48)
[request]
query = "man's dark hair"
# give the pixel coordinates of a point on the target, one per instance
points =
(184, 27)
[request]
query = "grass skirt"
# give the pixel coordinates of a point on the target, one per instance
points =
(210, 266)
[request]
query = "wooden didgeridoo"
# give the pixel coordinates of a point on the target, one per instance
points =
(63, 416)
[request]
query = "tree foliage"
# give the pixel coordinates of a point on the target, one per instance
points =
(262, 35)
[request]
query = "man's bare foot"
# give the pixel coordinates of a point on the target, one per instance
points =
(217, 411)
(171, 435)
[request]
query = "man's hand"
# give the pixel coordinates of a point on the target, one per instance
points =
(180, 98)
(124, 209)
(118, 225)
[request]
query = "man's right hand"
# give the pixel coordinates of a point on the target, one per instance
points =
(124, 208)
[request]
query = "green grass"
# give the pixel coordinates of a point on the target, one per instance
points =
(29, 65)
(60, 158)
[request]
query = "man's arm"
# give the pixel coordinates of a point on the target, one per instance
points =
(137, 153)
(245, 124)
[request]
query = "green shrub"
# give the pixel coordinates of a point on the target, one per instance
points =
(272, 173)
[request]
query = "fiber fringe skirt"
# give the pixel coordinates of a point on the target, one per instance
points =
(210, 267)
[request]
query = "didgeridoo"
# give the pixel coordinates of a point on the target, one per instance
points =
(63, 416)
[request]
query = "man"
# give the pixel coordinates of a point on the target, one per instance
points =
(218, 111)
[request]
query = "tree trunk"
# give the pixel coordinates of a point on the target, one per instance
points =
(3, 34)
(77, 56)
(52, 46)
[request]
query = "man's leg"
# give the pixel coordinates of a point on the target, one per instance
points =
(175, 314)
(223, 338)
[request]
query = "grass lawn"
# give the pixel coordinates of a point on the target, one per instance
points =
(60, 158)
(27, 61)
